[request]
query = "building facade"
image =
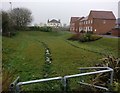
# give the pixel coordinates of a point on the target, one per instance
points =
(54, 23)
(98, 22)
(73, 24)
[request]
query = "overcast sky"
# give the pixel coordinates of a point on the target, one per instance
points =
(43, 10)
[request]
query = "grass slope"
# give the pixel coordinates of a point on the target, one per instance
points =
(23, 55)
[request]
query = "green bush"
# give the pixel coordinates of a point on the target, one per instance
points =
(84, 37)
(44, 29)
(75, 37)
(87, 37)
(114, 63)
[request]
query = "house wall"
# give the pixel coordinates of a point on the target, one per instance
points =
(72, 27)
(98, 26)
(115, 32)
(54, 24)
(77, 26)
(101, 26)
(86, 25)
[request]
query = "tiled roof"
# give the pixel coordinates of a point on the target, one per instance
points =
(102, 14)
(73, 19)
(85, 18)
(54, 21)
(80, 18)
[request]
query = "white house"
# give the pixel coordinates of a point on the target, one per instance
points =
(54, 23)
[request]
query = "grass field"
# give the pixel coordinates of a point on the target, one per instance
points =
(23, 55)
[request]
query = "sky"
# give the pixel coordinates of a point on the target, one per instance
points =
(42, 10)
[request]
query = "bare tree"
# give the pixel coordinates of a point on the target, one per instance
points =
(20, 17)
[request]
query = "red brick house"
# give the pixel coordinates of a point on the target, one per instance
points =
(73, 25)
(98, 22)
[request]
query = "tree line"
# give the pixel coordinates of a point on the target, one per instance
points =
(14, 20)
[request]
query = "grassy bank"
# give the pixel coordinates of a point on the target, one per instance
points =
(23, 55)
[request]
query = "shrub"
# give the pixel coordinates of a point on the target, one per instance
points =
(87, 37)
(75, 37)
(84, 37)
(44, 29)
(114, 63)
(5, 22)
(7, 29)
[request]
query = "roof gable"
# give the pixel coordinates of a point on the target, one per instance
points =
(54, 21)
(102, 14)
(73, 19)
(85, 18)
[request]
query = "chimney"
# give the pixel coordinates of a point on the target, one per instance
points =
(48, 20)
(59, 20)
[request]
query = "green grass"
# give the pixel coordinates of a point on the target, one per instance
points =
(23, 55)
(105, 46)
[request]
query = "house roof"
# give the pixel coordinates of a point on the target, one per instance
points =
(85, 18)
(54, 21)
(102, 14)
(73, 19)
(80, 18)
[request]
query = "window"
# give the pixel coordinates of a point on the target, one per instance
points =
(91, 21)
(91, 28)
(88, 28)
(85, 28)
(84, 22)
(88, 21)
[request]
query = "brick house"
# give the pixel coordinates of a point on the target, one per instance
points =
(73, 26)
(98, 22)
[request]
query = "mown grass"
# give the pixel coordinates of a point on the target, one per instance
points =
(105, 46)
(23, 55)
